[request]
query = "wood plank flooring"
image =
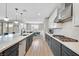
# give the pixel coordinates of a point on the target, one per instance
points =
(39, 48)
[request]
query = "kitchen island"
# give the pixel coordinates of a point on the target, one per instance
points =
(11, 41)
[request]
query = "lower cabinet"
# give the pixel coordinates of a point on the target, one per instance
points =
(27, 43)
(12, 51)
(67, 52)
(57, 48)
(54, 45)
(48, 40)
(1, 54)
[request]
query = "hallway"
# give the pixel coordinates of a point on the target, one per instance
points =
(39, 47)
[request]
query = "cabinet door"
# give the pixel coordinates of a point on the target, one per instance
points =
(1, 54)
(30, 40)
(22, 48)
(14, 53)
(56, 47)
(27, 43)
(13, 50)
(76, 14)
(53, 44)
(67, 52)
(49, 42)
(57, 50)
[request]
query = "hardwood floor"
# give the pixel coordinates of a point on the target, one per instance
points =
(39, 48)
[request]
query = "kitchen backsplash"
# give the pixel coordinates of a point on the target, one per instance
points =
(68, 30)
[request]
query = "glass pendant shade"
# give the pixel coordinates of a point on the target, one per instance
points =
(6, 19)
(16, 21)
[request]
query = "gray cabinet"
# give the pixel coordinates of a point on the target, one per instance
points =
(67, 52)
(59, 49)
(48, 40)
(56, 47)
(1, 54)
(12, 51)
(27, 44)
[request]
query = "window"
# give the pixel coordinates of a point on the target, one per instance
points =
(16, 28)
(10, 27)
(0, 28)
(5, 26)
(35, 27)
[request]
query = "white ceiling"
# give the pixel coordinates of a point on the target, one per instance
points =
(32, 10)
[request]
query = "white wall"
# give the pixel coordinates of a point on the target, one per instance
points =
(68, 30)
(52, 18)
(46, 22)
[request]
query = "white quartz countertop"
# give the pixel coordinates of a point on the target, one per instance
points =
(74, 46)
(9, 40)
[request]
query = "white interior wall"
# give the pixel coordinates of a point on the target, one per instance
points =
(52, 18)
(68, 30)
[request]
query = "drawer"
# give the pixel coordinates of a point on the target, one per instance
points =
(56, 42)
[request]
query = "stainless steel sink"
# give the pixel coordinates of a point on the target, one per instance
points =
(64, 38)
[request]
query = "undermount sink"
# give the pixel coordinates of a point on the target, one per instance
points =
(64, 38)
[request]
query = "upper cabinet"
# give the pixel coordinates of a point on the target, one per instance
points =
(76, 14)
(64, 14)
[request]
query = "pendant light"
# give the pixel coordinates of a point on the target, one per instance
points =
(6, 18)
(21, 16)
(16, 22)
